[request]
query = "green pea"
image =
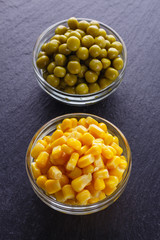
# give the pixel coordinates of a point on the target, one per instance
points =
(72, 23)
(62, 39)
(100, 41)
(59, 72)
(117, 63)
(94, 51)
(74, 67)
(51, 47)
(118, 46)
(60, 29)
(103, 53)
(76, 34)
(73, 58)
(41, 54)
(91, 76)
(112, 53)
(42, 62)
(95, 65)
(70, 90)
(63, 49)
(103, 82)
(53, 80)
(51, 67)
(43, 47)
(82, 71)
(102, 32)
(111, 73)
(87, 41)
(108, 44)
(94, 87)
(93, 30)
(94, 22)
(60, 59)
(70, 79)
(110, 38)
(82, 88)
(105, 63)
(83, 25)
(81, 32)
(82, 53)
(73, 43)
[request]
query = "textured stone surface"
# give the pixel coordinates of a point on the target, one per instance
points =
(134, 108)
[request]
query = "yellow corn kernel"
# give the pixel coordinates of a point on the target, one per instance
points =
(41, 181)
(112, 149)
(81, 129)
(108, 191)
(96, 131)
(107, 153)
(46, 168)
(64, 180)
(56, 152)
(83, 196)
(94, 150)
(71, 202)
(92, 190)
(74, 143)
(59, 196)
(98, 162)
(66, 134)
(87, 139)
(113, 163)
(59, 141)
(98, 141)
(77, 172)
(91, 120)
(93, 200)
(83, 122)
(43, 142)
(123, 157)
(54, 173)
(99, 184)
(66, 124)
(71, 164)
(103, 126)
(78, 184)
(108, 139)
(111, 182)
(48, 148)
(123, 164)
(118, 172)
(59, 126)
(35, 170)
(117, 148)
(102, 196)
(48, 139)
(57, 134)
(103, 173)
(83, 150)
(68, 150)
(52, 186)
(38, 148)
(85, 160)
(76, 135)
(42, 159)
(68, 192)
(60, 161)
(88, 169)
(116, 140)
(74, 122)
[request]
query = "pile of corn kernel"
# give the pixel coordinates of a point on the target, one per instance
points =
(80, 163)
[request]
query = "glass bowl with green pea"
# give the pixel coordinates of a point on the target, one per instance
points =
(79, 61)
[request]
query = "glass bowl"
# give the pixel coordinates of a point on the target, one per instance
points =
(76, 99)
(48, 129)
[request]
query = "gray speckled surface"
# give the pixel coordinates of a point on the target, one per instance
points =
(134, 108)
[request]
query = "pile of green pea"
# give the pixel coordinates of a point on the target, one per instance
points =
(81, 58)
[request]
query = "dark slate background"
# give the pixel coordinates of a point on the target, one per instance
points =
(134, 108)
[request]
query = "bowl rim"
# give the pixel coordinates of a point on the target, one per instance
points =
(77, 209)
(114, 83)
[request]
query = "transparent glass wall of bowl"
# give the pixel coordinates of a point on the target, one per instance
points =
(74, 99)
(48, 129)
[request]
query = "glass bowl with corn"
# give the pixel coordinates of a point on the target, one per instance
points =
(78, 163)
